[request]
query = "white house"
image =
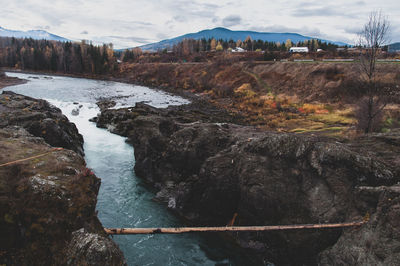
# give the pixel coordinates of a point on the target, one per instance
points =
(298, 49)
(238, 50)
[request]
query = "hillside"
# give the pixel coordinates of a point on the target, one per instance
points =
(282, 96)
(226, 34)
(34, 34)
(394, 47)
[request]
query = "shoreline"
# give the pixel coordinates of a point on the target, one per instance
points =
(106, 77)
(6, 81)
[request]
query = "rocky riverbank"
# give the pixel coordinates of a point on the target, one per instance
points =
(208, 169)
(40, 119)
(9, 81)
(47, 205)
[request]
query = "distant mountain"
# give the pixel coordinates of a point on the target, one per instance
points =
(34, 34)
(226, 34)
(394, 47)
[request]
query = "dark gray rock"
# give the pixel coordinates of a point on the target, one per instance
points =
(376, 243)
(40, 119)
(208, 171)
(43, 201)
(92, 249)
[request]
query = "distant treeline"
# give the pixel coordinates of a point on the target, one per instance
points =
(189, 46)
(201, 50)
(67, 57)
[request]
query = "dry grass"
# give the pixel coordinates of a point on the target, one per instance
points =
(294, 97)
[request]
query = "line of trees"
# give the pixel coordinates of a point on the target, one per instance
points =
(190, 46)
(67, 57)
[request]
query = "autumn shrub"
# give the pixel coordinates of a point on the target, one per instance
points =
(314, 108)
(223, 90)
(391, 120)
(244, 91)
(273, 123)
(255, 101)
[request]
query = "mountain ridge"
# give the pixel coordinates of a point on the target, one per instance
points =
(394, 47)
(34, 34)
(227, 34)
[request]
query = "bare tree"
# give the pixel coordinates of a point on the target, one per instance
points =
(373, 36)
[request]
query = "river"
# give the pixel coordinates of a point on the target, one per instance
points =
(123, 201)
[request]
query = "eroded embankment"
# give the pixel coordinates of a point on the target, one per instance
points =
(47, 204)
(283, 96)
(323, 82)
(207, 172)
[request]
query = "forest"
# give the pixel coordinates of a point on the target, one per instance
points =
(83, 57)
(66, 57)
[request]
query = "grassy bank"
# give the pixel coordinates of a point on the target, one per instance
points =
(282, 96)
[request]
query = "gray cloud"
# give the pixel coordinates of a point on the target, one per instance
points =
(353, 30)
(161, 36)
(85, 32)
(47, 27)
(180, 18)
(193, 9)
(316, 11)
(132, 39)
(312, 32)
(231, 20)
(360, 3)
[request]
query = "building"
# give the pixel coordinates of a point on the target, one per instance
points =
(298, 50)
(238, 50)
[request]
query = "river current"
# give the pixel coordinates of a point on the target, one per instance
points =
(123, 201)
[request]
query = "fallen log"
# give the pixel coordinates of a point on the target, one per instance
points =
(179, 230)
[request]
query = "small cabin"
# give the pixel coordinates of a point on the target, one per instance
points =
(298, 49)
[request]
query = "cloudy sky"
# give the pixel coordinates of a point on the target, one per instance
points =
(129, 23)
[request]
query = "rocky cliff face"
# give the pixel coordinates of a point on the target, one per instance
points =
(40, 119)
(207, 172)
(47, 204)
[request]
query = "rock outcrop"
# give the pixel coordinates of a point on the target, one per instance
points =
(207, 172)
(9, 81)
(47, 204)
(40, 119)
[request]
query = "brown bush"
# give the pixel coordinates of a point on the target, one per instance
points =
(223, 90)
(362, 114)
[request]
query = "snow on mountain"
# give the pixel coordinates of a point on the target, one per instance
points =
(34, 34)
